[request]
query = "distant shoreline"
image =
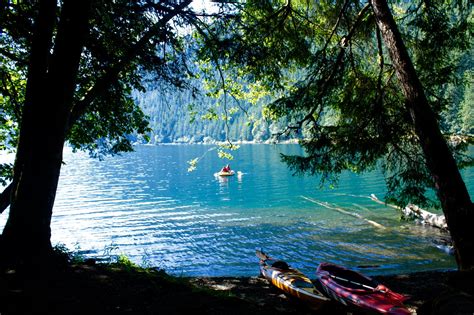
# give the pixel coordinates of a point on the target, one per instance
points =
(238, 142)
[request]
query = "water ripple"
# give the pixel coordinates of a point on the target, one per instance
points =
(147, 206)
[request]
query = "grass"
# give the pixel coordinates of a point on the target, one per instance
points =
(75, 285)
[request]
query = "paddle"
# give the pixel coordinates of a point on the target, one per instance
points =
(380, 288)
(356, 283)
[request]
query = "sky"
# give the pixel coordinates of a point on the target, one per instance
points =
(205, 5)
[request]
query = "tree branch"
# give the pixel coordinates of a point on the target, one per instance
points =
(5, 198)
(105, 81)
(114, 71)
(338, 61)
(13, 57)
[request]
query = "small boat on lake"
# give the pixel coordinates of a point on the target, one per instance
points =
(229, 173)
(290, 280)
(354, 289)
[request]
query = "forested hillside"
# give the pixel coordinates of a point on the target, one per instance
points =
(186, 116)
(458, 117)
(181, 116)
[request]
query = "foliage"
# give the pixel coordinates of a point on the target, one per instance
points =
(114, 116)
(186, 116)
(12, 77)
(318, 68)
(467, 109)
(128, 42)
(6, 171)
(66, 256)
(329, 74)
(125, 263)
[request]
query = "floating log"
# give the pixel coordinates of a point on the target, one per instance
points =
(415, 213)
(377, 200)
(353, 214)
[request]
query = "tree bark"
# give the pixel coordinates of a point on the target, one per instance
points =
(450, 187)
(48, 103)
(5, 198)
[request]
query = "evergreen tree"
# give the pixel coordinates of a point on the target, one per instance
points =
(361, 91)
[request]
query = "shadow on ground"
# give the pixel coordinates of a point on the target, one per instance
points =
(106, 289)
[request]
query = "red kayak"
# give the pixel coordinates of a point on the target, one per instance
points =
(352, 288)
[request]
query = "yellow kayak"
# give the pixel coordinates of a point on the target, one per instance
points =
(290, 280)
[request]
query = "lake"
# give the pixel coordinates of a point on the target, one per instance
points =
(146, 205)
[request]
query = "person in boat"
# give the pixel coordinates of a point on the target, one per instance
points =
(226, 169)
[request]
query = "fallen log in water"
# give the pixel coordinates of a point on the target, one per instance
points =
(413, 212)
(377, 200)
(338, 209)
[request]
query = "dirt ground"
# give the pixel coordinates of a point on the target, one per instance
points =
(434, 292)
(109, 289)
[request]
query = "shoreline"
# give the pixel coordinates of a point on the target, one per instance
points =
(216, 142)
(430, 292)
(123, 288)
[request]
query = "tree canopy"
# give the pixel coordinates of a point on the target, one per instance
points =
(68, 70)
(364, 83)
(127, 42)
(379, 73)
(329, 73)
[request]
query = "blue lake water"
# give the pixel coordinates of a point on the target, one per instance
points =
(146, 205)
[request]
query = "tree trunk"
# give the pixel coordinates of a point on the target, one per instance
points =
(50, 87)
(450, 187)
(102, 84)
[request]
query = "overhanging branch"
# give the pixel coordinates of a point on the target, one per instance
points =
(112, 74)
(339, 59)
